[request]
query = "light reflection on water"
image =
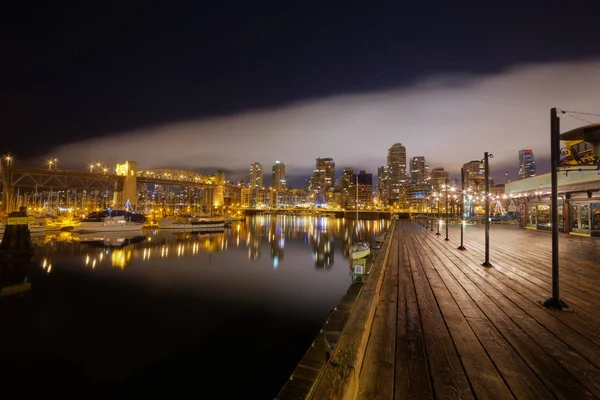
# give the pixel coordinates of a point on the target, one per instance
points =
(187, 306)
(322, 235)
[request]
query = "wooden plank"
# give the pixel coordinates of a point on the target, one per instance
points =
(561, 369)
(377, 373)
(518, 376)
(412, 378)
(449, 380)
(480, 371)
(340, 377)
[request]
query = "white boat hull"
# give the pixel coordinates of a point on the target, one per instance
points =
(204, 226)
(103, 227)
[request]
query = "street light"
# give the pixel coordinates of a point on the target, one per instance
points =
(446, 210)
(8, 160)
(56, 164)
(91, 168)
(50, 162)
(589, 134)
(486, 164)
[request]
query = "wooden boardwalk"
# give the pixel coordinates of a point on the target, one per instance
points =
(446, 327)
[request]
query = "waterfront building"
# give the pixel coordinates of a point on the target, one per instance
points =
(364, 194)
(256, 176)
(418, 170)
(382, 184)
(526, 164)
(256, 198)
(474, 172)
(439, 178)
(278, 183)
(578, 202)
(345, 184)
(396, 165)
(323, 180)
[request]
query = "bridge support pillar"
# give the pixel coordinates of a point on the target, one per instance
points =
(129, 190)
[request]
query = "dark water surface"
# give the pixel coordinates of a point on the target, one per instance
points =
(219, 315)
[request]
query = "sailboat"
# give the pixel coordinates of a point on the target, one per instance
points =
(359, 249)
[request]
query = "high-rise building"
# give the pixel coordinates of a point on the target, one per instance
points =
(526, 164)
(396, 163)
(345, 184)
(279, 182)
(418, 170)
(474, 172)
(382, 184)
(364, 192)
(439, 177)
(323, 179)
(256, 176)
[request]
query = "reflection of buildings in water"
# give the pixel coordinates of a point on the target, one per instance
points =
(277, 246)
(277, 240)
(323, 250)
(253, 244)
(182, 244)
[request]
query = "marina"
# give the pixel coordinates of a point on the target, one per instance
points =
(173, 306)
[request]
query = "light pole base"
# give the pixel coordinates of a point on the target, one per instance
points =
(446, 239)
(487, 264)
(556, 304)
(437, 234)
(461, 247)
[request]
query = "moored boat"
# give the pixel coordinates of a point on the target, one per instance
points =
(108, 224)
(360, 250)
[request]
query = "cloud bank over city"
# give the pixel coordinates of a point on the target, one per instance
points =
(449, 119)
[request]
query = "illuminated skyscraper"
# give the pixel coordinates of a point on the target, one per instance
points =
(474, 175)
(382, 184)
(278, 182)
(526, 164)
(418, 170)
(256, 176)
(439, 177)
(396, 163)
(323, 179)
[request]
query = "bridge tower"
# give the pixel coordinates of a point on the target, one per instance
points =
(129, 191)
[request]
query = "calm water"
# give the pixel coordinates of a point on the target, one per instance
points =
(174, 313)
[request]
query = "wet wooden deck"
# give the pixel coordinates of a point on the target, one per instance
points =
(447, 327)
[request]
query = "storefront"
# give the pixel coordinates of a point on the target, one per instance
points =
(578, 202)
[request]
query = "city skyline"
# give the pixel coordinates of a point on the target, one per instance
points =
(245, 87)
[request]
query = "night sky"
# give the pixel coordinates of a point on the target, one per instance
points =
(218, 85)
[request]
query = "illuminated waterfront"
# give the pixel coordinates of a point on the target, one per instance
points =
(173, 312)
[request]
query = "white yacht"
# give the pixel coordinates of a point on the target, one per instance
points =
(195, 224)
(108, 224)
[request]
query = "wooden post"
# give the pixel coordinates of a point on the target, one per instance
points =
(16, 241)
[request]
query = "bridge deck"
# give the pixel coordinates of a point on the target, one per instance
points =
(446, 327)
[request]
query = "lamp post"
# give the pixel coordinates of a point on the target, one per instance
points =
(431, 212)
(447, 209)
(438, 215)
(590, 134)
(50, 162)
(486, 167)
(462, 209)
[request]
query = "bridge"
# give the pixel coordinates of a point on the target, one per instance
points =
(124, 183)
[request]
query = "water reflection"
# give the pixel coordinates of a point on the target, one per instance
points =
(179, 299)
(321, 235)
